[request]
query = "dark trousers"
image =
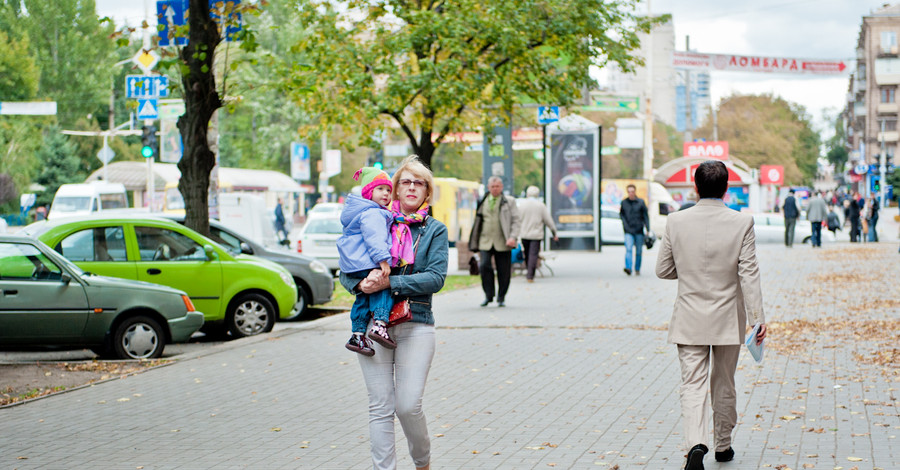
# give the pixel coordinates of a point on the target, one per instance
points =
(789, 223)
(816, 233)
(531, 248)
(503, 259)
(854, 230)
(378, 304)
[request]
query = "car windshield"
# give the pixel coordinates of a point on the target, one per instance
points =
(323, 226)
(71, 204)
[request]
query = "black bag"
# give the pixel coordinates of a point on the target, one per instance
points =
(474, 268)
(649, 240)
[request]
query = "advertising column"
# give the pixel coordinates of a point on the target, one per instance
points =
(572, 178)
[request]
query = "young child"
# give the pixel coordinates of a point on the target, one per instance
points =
(365, 251)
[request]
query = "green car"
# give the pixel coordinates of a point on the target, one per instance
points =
(48, 301)
(238, 294)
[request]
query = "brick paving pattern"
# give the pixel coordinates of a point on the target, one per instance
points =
(574, 373)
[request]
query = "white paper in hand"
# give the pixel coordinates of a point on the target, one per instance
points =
(756, 350)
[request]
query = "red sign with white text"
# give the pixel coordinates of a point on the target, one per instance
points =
(741, 63)
(771, 174)
(716, 150)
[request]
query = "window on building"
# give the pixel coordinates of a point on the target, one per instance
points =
(861, 72)
(890, 126)
(887, 94)
(889, 42)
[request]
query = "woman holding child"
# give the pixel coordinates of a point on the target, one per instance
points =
(395, 377)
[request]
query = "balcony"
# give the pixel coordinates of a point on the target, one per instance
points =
(887, 108)
(887, 71)
(859, 109)
(889, 136)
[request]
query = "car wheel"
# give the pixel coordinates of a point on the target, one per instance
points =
(249, 315)
(139, 337)
(302, 305)
(807, 240)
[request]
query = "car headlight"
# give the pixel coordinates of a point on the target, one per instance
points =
(317, 266)
(287, 278)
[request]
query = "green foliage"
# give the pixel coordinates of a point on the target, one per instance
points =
(442, 67)
(837, 153)
(59, 164)
(767, 130)
(18, 74)
(73, 51)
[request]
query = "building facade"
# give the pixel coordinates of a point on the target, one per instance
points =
(662, 99)
(872, 106)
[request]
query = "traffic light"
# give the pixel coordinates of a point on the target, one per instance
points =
(378, 160)
(876, 184)
(148, 140)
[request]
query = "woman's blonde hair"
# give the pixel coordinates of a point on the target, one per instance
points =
(415, 166)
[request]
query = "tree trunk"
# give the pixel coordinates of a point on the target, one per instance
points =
(201, 100)
(426, 148)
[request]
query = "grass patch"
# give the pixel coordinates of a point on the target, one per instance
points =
(344, 299)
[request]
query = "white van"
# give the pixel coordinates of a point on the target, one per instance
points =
(81, 199)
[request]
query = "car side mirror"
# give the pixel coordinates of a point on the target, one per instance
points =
(65, 278)
(245, 249)
(210, 252)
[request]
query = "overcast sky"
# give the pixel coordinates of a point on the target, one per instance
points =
(823, 29)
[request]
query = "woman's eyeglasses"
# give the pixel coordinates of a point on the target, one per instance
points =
(419, 184)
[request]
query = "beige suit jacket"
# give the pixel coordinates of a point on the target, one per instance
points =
(711, 250)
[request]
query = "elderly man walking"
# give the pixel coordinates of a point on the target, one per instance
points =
(535, 216)
(711, 251)
(494, 235)
(816, 213)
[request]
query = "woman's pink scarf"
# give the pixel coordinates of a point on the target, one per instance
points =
(402, 250)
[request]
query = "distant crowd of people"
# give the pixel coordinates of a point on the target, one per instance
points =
(860, 213)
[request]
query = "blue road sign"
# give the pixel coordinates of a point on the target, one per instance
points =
(169, 14)
(146, 86)
(148, 108)
(547, 114)
(300, 161)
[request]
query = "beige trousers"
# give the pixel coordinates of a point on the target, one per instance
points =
(698, 382)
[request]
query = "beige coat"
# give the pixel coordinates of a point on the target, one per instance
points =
(711, 250)
(535, 216)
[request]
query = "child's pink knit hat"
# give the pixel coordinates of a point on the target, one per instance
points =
(370, 178)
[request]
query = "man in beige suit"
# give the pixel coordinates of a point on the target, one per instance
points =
(711, 250)
(494, 234)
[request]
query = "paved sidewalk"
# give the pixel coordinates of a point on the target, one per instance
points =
(573, 373)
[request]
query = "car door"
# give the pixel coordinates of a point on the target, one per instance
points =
(100, 250)
(36, 304)
(174, 259)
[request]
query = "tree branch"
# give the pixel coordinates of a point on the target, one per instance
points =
(447, 124)
(403, 126)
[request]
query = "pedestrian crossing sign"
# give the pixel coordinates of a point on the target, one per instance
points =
(148, 108)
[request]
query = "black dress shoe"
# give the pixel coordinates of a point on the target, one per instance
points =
(501, 303)
(726, 455)
(486, 302)
(695, 457)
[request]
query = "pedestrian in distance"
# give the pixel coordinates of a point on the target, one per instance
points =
(834, 222)
(395, 378)
(280, 230)
(535, 216)
(816, 213)
(711, 251)
(494, 234)
(853, 217)
(635, 218)
(791, 211)
(872, 208)
(365, 253)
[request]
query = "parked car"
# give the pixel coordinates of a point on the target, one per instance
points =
(48, 301)
(769, 228)
(73, 200)
(241, 294)
(326, 208)
(611, 230)
(315, 284)
(318, 238)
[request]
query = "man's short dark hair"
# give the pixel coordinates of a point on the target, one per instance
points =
(712, 179)
(630, 186)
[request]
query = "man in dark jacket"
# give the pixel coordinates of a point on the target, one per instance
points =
(635, 218)
(791, 212)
